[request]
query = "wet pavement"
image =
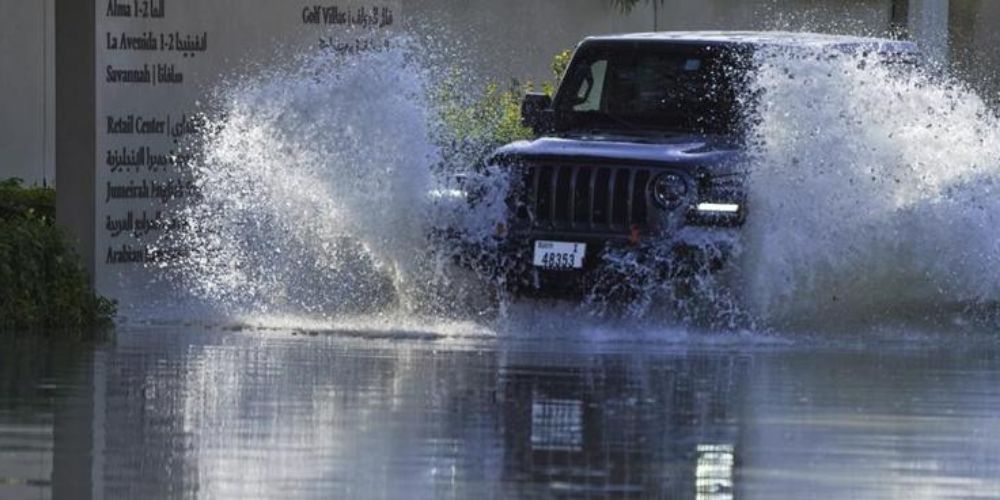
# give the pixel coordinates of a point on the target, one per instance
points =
(213, 413)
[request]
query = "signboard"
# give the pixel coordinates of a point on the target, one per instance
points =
(157, 62)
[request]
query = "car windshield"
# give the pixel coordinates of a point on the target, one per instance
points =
(649, 88)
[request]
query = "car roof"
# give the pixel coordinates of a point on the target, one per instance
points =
(762, 39)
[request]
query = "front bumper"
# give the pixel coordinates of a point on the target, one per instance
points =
(614, 258)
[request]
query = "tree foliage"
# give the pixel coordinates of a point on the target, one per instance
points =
(626, 6)
(43, 287)
(471, 125)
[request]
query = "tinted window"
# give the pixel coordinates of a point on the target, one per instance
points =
(632, 87)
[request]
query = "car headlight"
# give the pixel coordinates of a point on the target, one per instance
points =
(721, 201)
(670, 190)
(718, 208)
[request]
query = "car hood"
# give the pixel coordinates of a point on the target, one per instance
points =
(712, 152)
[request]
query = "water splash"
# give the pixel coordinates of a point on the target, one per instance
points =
(312, 188)
(872, 196)
(873, 191)
(694, 288)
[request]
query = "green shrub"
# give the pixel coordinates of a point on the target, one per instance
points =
(472, 126)
(43, 287)
(626, 6)
(559, 64)
(16, 201)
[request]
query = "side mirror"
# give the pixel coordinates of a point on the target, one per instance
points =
(536, 112)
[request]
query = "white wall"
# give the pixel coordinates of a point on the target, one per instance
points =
(856, 17)
(929, 27)
(973, 43)
(518, 38)
(26, 90)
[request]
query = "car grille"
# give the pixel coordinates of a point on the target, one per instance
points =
(586, 198)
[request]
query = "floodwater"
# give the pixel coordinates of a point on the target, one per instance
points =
(457, 411)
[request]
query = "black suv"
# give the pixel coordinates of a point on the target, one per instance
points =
(642, 150)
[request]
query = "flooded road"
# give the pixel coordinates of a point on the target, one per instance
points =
(453, 413)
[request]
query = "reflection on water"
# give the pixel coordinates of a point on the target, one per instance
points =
(213, 414)
(617, 425)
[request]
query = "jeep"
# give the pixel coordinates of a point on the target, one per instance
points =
(643, 150)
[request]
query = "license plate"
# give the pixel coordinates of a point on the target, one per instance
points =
(559, 255)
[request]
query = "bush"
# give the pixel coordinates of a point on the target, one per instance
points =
(472, 126)
(43, 287)
(16, 201)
